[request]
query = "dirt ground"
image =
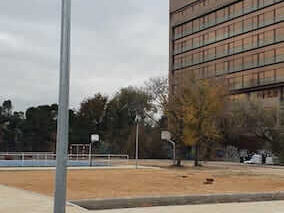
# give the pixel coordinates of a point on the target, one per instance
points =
(84, 184)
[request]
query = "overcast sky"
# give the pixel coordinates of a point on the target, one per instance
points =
(115, 43)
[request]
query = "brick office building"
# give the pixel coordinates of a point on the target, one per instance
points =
(240, 41)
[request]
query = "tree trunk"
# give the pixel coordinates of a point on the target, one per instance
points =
(179, 155)
(196, 157)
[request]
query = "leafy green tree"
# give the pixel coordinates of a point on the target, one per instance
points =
(39, 128)
(120, 117)
(89, 119)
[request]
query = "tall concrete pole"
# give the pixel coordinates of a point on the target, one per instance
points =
(63, 110)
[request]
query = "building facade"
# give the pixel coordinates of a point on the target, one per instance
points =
(239, 41)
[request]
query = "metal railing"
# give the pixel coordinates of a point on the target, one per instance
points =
(14, 159)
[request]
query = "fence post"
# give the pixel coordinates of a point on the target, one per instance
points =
(46, 159)
(23, 159)
(108, 159)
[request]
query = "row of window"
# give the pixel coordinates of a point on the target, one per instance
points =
(220, 16)
(233, 47)
(230, 30)
(239, 64)
(263, 94)
(256, 79)
(197, 8)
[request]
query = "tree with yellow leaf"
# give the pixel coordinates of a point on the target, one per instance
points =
(198, 105)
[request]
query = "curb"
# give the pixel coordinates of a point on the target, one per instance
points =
(120, 203)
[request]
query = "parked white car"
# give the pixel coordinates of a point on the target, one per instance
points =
(255, 159)
(272, 160)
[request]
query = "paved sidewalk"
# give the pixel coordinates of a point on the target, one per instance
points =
(19, 201)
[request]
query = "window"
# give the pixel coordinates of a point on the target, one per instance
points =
(280, 74)
(196, 25)
(247, 6)
(189, 44)
(261, 3)
(177, 47)
(205, 21)
(248, 24)
(248, 43)
(211, 53)
(248, 62)
(211, 70)
(254, 41)
(260, 20)
(196, 58)
(226, 32)
(231, 47)
(188, 60)
(178, 31)
(212, 36)
(269, 56)
(231, 11)
(220, 68)
(221, 50)
(238, 46)
(280, 14)
(261, 40)
(220, 14)
(212, 19)
(187, 28)
(238, 64)
(269, 37)
(231, 30)
(196, 42)
(238, 9)
(269, 17)
(261, 59)
(238, 27)
(206, 38)
(219, 34)
(268, 2)
(254, 22)
(280, 54)
(280, 34)
(205, 54)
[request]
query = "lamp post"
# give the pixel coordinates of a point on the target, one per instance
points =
(63, 110)
(137, 119)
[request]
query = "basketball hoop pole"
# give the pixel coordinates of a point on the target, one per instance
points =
(63, 109)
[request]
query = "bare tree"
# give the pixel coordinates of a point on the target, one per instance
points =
(158, 89)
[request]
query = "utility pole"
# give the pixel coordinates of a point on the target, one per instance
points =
(63, 110)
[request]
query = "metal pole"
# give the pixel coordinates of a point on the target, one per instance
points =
(90, 154)
(137, 138)
(174, 151)
(63, 110)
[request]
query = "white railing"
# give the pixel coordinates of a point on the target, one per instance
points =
(14, 159)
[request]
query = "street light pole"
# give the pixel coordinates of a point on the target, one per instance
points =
(63, 110)
(90, 154)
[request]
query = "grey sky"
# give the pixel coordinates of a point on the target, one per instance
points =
(115, 43)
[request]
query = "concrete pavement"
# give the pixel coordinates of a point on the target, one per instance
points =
(19, 201)
(14, 200)
(259, 207)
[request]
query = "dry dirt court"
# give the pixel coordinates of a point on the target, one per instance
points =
(83, 184)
